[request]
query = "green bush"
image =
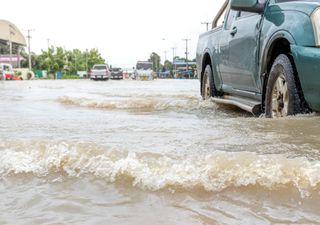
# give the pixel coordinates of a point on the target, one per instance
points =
(18, 73)
(70, 76)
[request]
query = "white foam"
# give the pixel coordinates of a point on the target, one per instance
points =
(213, 172)
(136, 103)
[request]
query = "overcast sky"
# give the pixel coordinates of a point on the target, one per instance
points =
(124, 31)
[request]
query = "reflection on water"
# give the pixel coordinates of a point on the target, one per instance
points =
(150, 153)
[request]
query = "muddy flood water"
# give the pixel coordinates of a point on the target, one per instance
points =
(148, 153)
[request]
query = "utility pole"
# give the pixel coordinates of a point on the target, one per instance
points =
(10, 48)
(165, 56)
(165, 59)
(207, 24)
(29, 48)
(48, 42)
(87, 67)
(173, 55)
(11, 33)
(187, 53)
(75, 62)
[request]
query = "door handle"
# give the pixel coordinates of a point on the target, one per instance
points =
(234, 31)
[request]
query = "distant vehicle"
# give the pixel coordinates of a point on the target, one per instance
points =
(6, 71)
(100, 72)
(164, 75)
(116, 73)
(183, 74)
(144, 71)
(264, 58)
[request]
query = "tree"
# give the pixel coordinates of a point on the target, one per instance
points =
(168, 65)
(57, 58)
(47, 61)
(94, 57)
(25, 62)
(155, 59)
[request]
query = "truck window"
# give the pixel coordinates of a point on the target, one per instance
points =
(231, 17)
(100, 67)
(221, 19)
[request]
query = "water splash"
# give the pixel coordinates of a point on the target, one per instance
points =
(139, 104)
(213, 172)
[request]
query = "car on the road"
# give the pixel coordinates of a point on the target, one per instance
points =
(116, 73)
(265, 57)
(100, 72)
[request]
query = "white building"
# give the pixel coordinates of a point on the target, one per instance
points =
(12, 39)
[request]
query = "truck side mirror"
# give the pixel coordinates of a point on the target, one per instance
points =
(248, 5)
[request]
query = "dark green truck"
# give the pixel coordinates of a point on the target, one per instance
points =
(264, 58)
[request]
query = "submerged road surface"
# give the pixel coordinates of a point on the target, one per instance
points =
(142, 153)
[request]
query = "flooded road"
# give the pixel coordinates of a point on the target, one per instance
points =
(141, 153)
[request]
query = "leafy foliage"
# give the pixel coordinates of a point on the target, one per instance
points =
(156, 61)
(57, 58)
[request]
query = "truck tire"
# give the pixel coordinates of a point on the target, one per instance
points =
(208, 87)
(282, 96)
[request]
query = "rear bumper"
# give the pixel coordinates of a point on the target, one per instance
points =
(96, 77)
(307, 61)
(117, 76)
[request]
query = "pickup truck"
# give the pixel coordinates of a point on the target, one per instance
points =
(264, 58)
(100, 72)
(116, 73)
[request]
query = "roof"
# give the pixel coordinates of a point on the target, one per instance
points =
(7, 28)
(183, 63)
(144, 62)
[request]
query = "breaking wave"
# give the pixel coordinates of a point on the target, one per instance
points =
(213, 172)
(139, 104)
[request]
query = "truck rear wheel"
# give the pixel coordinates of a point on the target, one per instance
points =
(282, 96)
(208, 88)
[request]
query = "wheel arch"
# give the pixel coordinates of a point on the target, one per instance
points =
(205, 61)
(280, 43)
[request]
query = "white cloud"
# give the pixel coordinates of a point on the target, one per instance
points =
(123, 30)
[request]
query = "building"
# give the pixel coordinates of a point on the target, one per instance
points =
(11, 43)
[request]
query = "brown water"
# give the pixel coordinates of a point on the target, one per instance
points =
(142, 153)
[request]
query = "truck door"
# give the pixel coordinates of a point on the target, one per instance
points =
(224, 49)
(244, 50)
